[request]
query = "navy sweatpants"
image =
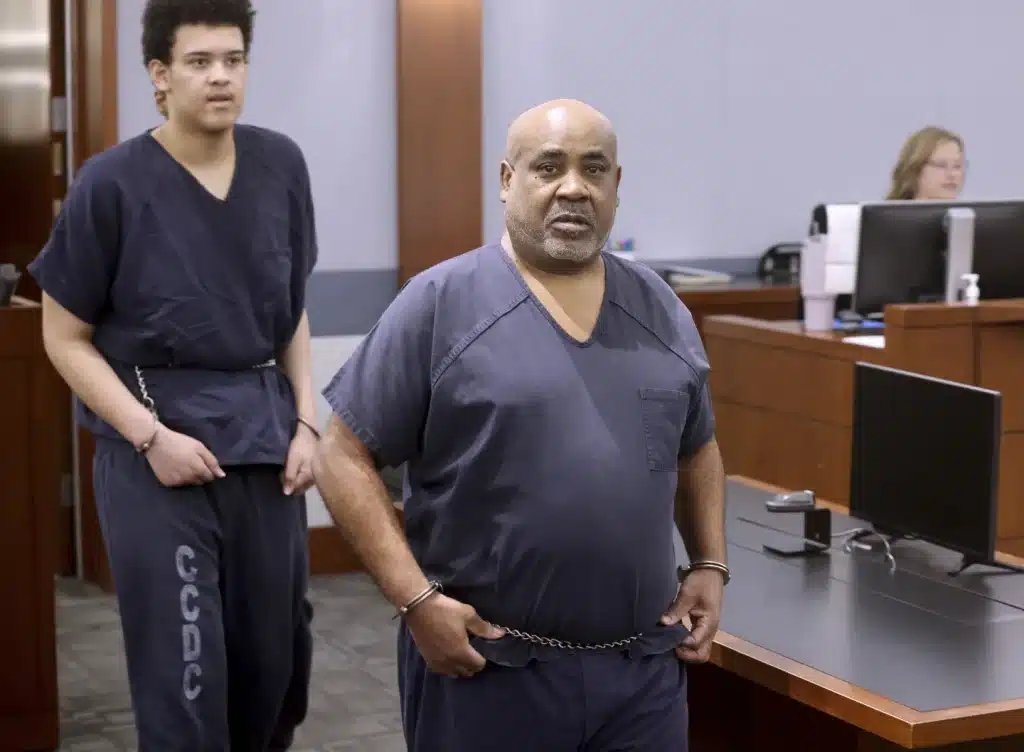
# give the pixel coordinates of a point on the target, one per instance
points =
(579, 702)
(211, 585)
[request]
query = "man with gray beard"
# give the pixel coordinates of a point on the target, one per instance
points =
(551, 404)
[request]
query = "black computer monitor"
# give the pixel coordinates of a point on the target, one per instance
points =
(901, 256)
(902, 252)
(926, 459)
(999, 248)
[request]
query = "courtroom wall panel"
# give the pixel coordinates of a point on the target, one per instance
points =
(440, 142)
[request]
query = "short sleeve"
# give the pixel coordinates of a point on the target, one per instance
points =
(700, 424)
(77, 265)
(382, 392)
(700, 419)
(303, 236)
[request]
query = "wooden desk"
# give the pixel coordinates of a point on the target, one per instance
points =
(744, 296)
(32, 435)
(784, 397)
(750, 698)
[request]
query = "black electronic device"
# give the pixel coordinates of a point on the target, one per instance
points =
(795, 501)
(900, 255)
(999, 249)
(817, 537)
(926, 460)
(780, 263)
(902, 252)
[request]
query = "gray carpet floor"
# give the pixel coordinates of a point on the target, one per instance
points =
(354, 702)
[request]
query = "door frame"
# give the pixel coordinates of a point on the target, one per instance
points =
(92, 86)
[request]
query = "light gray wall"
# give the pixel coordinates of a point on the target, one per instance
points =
(322, 71)
(735, 117)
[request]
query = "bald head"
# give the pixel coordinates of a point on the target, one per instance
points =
(559, 184)
(553, 121)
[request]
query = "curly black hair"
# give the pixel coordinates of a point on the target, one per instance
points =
(162, 18)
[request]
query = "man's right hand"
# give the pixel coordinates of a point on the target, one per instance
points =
(440, 627)
(180, 460)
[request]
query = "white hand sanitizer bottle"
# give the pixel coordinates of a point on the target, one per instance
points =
(971, 293)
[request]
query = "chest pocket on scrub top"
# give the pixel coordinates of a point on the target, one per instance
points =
(664, 415)
(275, 271)
(273, 265)
(271, 238)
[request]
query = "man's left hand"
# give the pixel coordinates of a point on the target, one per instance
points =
(700, 598)
(297, 476)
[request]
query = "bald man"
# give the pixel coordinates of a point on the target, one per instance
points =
(551, 404)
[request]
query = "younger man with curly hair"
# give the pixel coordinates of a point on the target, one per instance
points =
(174, 307)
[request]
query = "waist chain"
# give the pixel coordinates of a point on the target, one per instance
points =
(554, 642)
(150, 404)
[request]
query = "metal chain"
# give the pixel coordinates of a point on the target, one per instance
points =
(146, 399)
(150, 404)
(563, 645)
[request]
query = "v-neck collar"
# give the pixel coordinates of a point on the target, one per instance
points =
(601, 313)
(190, 177)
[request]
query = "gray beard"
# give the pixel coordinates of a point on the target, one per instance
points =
(577, 253)
(574, 253)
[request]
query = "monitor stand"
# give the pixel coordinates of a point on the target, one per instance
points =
(799, 549)
(880, 533)
(817, 537)
(966, 562)
(970, 561)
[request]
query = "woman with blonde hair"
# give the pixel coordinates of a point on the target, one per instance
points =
(930, 166)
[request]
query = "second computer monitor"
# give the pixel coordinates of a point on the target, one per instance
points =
(999, 249)
(902, 252)
(926, 459)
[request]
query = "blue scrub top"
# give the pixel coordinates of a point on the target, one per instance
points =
(541, 470)
(194, 290)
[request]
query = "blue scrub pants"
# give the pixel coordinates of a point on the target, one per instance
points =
(211, 585)
(579, 702)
